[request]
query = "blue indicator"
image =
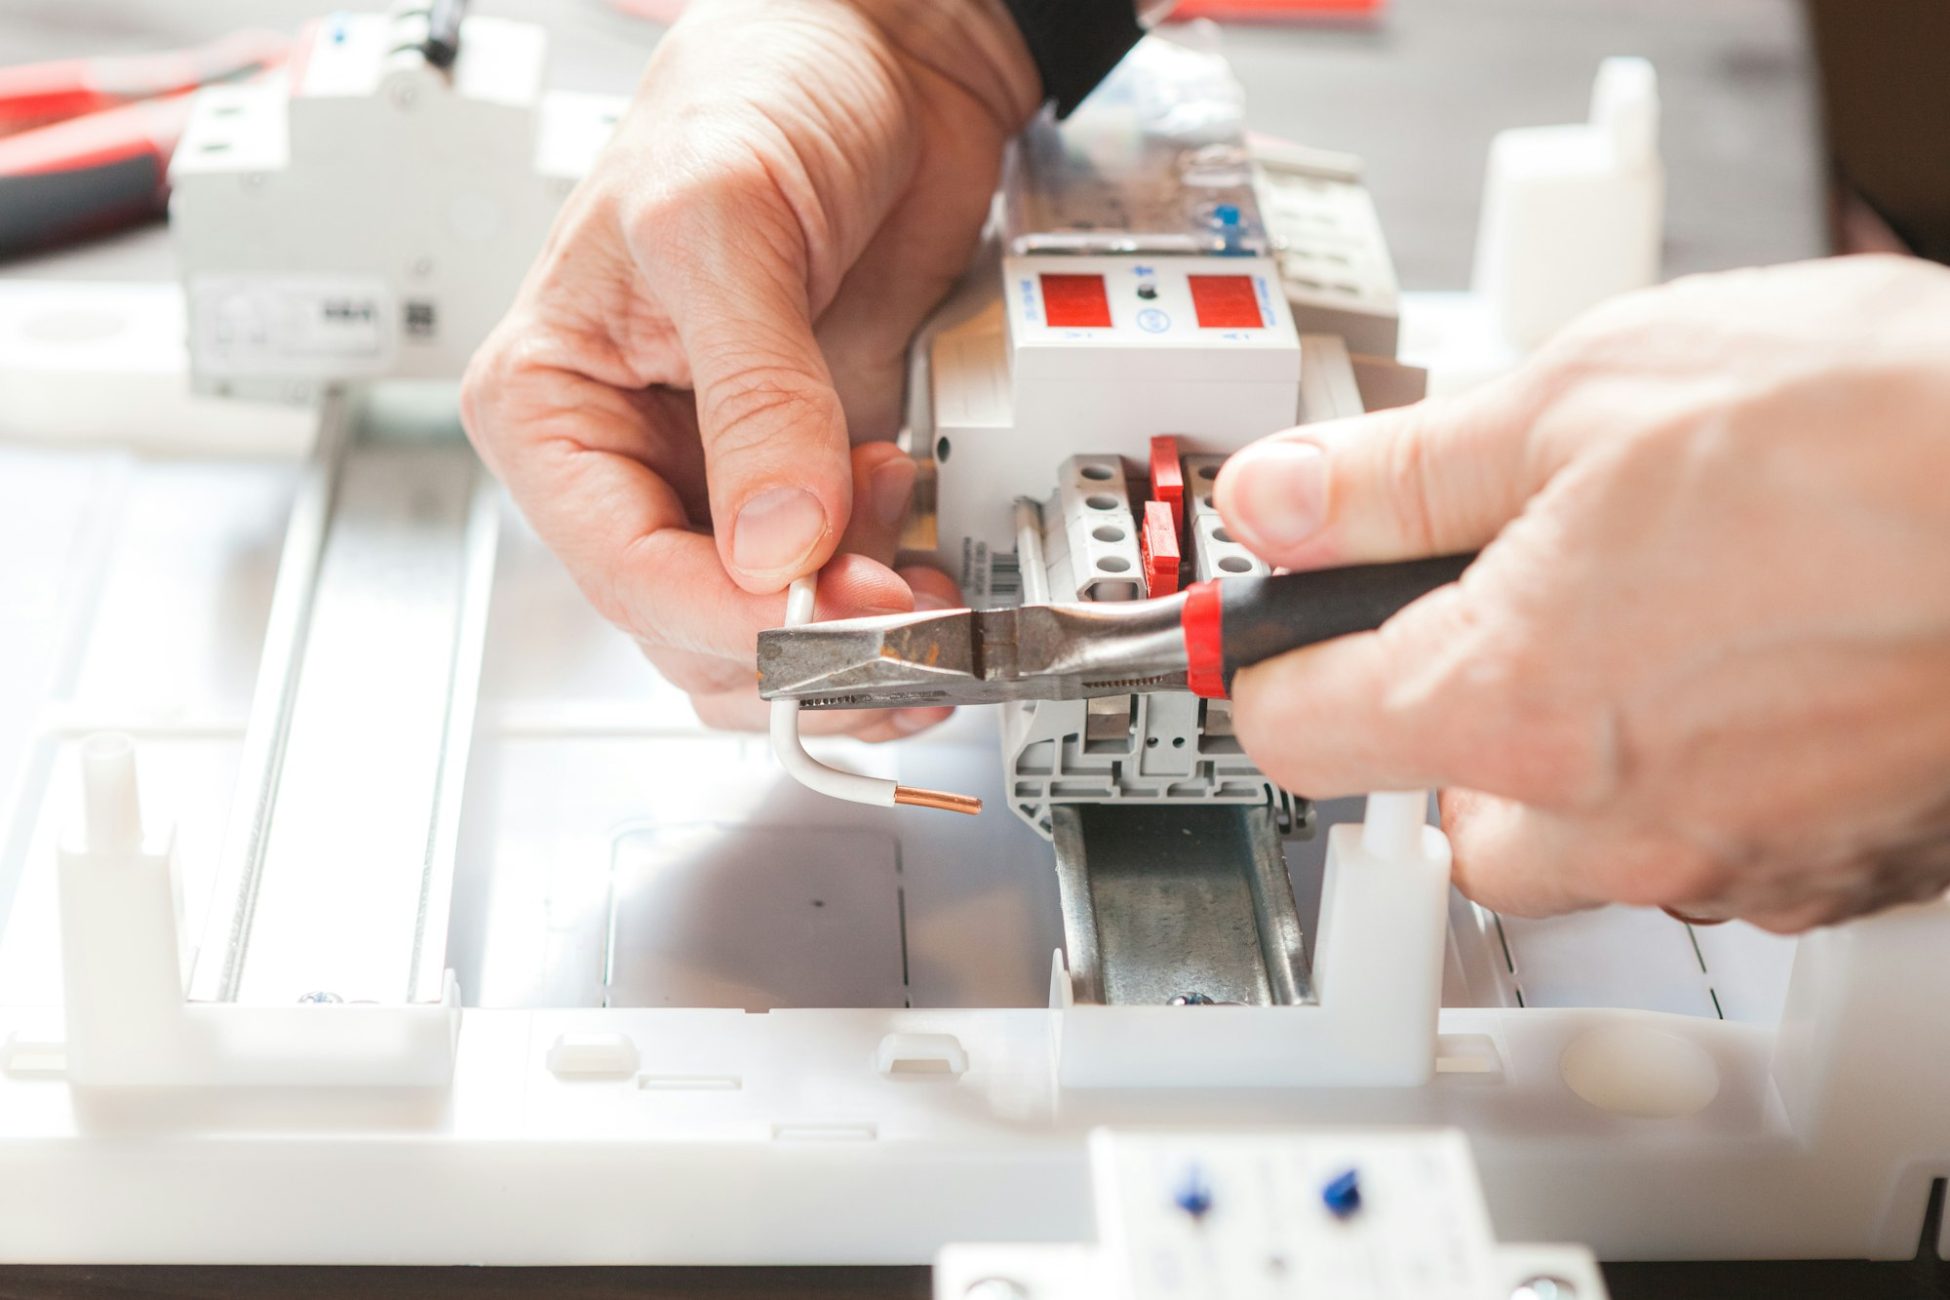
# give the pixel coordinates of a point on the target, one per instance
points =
(1342, 1195)
(1227, 214)
(1194, 1194)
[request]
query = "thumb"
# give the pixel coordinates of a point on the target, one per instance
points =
(773, 430)
(1437, 477)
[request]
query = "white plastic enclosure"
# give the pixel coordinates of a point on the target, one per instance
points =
(696, 1014)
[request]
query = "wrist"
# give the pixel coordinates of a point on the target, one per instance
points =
(973, 43)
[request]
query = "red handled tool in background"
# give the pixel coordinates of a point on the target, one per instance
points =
(85, 143)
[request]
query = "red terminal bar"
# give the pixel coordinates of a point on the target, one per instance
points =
(1158, 546)
(1076, 302)
(1224, 302)
(1168, 479)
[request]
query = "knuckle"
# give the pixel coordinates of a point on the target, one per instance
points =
(604, 592)
(713, 711)
(703, 204)
(1406, 487)
(1547, 744)
(486, 370)
(1677, 876)
(750, 410)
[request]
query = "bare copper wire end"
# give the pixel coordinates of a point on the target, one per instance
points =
(915, 797)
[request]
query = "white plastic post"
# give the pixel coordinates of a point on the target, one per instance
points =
(1392, 825)
(112, 812)
(121, 959)
(1383, 925)
(1573, 214)
(123, 971)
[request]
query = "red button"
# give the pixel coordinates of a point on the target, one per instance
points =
(1076, 301)
(1224, 302)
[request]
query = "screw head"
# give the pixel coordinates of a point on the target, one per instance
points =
(1545, 1288)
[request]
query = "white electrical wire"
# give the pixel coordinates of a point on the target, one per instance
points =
(815, 775)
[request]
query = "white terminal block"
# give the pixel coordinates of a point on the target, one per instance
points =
(1215, 552)
(1090, 535)
(1573, 214)
(1354, 1215)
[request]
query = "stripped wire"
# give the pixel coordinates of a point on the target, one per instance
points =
(815, 775)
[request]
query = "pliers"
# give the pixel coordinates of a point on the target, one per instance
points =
(1194, 640)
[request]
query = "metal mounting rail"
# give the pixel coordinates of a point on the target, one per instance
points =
(337, 873)
(1169, 902)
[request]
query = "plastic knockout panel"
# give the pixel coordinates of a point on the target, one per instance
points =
(1382, 1215)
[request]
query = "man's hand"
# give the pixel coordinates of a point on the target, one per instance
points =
(690, 396)
(1704, 659)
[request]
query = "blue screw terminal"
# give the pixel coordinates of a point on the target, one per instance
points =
(1342, 1195)
(1194, 1195)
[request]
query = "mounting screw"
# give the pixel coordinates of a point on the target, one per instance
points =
(995, 1288)
(1190, 1000)
(320, 998)
(1545, 1288)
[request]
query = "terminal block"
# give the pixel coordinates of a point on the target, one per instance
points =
(1166, 747)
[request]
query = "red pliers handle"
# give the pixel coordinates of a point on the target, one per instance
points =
(85, 143)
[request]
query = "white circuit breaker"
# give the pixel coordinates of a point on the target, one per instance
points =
(368, 213)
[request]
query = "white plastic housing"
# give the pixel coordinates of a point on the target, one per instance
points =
(1014, 392)
(365, 213)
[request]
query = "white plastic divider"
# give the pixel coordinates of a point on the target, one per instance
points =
(128, 1023)
(1377, 978)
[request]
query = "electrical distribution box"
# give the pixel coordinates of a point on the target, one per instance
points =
(475, 915)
